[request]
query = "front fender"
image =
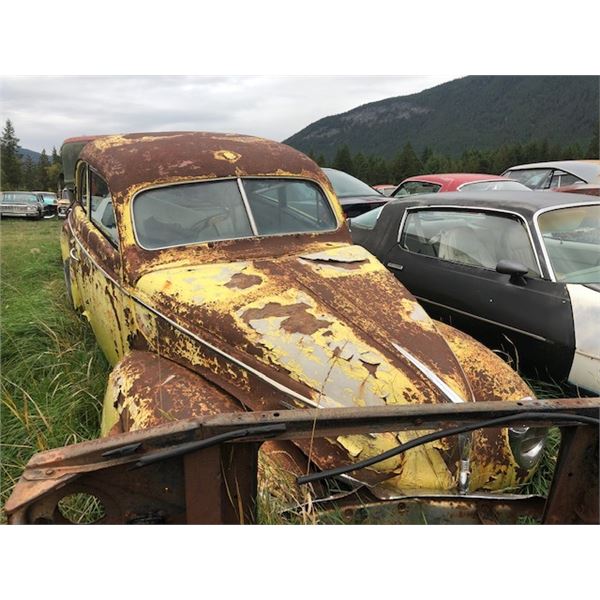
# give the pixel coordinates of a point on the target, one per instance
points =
(145, 390)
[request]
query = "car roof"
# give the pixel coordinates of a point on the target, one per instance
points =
(589, 170)
(138, 160)
(525, 203)
(454, 177)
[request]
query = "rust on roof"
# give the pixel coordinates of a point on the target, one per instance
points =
(132, 161)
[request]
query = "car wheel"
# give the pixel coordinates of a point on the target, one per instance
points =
(67, 273)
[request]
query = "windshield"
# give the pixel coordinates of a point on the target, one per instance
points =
(16, 198)
(345, 185)
(572, 240)
(49, 198)
(416, 187)
(494, 185)
(201, 212)
(534, 179)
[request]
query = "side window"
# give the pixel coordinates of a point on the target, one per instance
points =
(101, 208)
(471, 238)
(560, 179)
(82, 186)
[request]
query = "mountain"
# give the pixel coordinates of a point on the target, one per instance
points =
(35, 156)
(476, 112)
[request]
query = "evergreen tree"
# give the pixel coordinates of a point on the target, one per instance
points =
(42, 179)
(29, 175)
(343, 160)
(56, 157)
(406, 164)
(10, 163)
(361, 166)
(321, 160)
(593, 150)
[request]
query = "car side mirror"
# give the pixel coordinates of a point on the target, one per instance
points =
(516, 270)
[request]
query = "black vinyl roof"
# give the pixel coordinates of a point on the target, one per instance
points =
(523, 203)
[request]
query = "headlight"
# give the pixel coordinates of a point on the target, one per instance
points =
(527, 444)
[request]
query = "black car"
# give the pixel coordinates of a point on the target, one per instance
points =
(520, 271)
(355, 196)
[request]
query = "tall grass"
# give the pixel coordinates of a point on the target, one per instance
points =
(52, 375)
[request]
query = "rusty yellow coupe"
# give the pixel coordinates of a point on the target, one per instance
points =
(218, 275)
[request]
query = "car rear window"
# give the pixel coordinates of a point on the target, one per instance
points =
(193, 213)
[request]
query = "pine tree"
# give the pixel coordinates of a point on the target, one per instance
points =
(28, 179)
(56, 157)
(593, 150)
(42, 179)
(10, 163)
(343, 160)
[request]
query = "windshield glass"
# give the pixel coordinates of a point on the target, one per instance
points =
(49, 198)
(201, 212)
(493, 185)
(534, 179)
(345, 185)
(16, 198)
(367, 220)
(572, 240)
(416, 187)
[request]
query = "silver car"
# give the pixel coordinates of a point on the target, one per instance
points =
(21, 204)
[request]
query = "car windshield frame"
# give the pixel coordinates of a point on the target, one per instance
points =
(253, 234)
(363, 189)
(566, 278)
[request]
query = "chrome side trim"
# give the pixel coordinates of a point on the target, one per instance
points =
(538, 231)
(441, 385)
(468, 314)
(478, 209)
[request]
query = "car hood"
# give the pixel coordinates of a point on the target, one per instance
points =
(334, 328)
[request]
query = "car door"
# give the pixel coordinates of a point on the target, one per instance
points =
(447, 257)
(95, 263)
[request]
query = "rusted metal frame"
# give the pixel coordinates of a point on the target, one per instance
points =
(99, 463)
(574, 496)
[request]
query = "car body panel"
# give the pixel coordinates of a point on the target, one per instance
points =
(585, 370)
(587, 171)
(274, 322)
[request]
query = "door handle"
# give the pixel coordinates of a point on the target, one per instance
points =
(72, 255)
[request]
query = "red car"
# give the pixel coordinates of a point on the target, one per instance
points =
(454, 182)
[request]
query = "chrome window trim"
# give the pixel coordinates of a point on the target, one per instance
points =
(538, 231)
(246, 206)
(477, 209)
(243, 365)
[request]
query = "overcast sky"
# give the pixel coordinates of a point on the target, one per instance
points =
(46, 110)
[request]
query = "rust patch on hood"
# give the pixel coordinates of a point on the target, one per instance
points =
(296, 318)
(242, 281)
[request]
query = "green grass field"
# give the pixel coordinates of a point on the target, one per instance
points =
(52, 373)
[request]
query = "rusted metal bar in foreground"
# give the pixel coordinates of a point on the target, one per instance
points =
(218, 484)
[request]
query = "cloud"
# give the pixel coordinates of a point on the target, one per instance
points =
(46, 110)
